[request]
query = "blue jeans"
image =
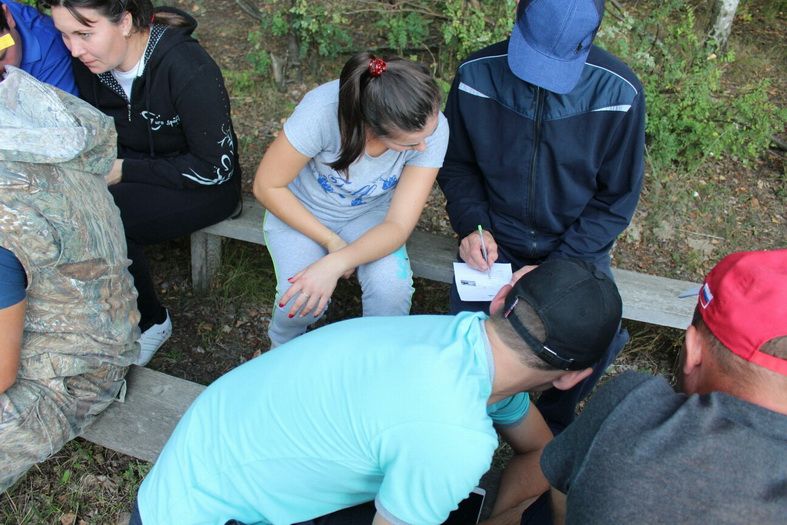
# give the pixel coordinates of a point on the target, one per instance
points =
(135, 517)
(557, 406)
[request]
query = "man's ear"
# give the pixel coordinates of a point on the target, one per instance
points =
(499, 299)
(8, 17)
(692, 350)
(569, 379)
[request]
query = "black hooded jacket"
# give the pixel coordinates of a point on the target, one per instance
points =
(177, 130)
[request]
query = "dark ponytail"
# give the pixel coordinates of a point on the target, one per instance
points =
(141, 11)
(400, 96)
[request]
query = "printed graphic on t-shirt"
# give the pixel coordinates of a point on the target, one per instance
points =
(344, 189)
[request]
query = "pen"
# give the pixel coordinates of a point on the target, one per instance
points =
(484, 252)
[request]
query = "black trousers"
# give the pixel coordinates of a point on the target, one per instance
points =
(153, 214)
(359, 515)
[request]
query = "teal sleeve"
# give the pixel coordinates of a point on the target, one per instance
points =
(510, 410)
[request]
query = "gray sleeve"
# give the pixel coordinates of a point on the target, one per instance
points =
(563, 457)
(314, 125)
(436, 145)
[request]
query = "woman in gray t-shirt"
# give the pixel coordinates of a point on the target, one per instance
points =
(344, 185)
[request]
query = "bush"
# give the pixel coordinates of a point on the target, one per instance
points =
(691, 116)
(445, 31)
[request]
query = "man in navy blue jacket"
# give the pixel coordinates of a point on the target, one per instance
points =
(546, 153)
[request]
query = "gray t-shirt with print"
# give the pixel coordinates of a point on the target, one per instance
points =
(313, 130)
(641, 453)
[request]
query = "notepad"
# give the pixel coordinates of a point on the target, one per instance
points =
(474, 285)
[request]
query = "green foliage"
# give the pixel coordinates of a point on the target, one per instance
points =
(770, 11)
(692, 116)
(469, 29)
(448, 30)
(239, 82)
(258, 56)
(403, 30)
(319, 26)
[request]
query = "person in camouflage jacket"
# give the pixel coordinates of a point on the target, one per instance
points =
(66, 346)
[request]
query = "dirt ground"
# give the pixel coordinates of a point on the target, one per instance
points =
(216, 332)
(681, 247)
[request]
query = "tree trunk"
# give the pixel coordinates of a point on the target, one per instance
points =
(721, 22)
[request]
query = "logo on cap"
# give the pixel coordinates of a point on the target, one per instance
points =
(705, 296)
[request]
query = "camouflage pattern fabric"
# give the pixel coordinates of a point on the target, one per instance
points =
(60, 221)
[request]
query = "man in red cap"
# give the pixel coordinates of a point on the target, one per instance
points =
(715, 453)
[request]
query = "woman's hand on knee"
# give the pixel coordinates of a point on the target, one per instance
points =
(312, 287)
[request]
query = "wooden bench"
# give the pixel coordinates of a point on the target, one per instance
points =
(154, 403)
(646, 298)
(140, 424)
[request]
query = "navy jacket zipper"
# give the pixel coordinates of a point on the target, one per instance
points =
(536, 139)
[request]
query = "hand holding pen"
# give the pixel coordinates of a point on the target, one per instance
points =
(471, 251)
(484, 252)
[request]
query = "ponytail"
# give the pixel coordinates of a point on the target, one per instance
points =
(384, 95)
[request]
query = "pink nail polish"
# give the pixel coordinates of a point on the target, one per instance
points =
(290, 315)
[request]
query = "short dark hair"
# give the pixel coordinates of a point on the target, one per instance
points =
(141, 11)
(3, 22)
(402, 98)
(506, 332)
(729, 361)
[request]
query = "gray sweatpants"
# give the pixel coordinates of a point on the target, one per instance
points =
(386, 284)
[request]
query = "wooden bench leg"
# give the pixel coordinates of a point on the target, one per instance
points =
(205, 259)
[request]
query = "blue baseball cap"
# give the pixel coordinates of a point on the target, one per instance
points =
(551, 41)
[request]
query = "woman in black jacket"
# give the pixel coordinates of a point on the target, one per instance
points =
(177, 169)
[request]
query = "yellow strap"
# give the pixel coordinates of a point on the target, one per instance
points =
(6, 41)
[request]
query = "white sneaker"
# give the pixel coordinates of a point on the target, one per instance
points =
(152, 339)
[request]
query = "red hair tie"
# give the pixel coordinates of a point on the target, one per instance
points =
(377, 66)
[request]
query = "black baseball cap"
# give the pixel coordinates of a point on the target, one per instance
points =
(579, 306)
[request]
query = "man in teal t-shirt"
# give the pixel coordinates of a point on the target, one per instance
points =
(399, 410)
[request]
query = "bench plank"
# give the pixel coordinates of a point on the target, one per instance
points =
(646, 298)
(141, 424)
(655, 300)
(246, 227)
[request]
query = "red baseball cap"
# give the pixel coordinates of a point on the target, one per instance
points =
(743, 302)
